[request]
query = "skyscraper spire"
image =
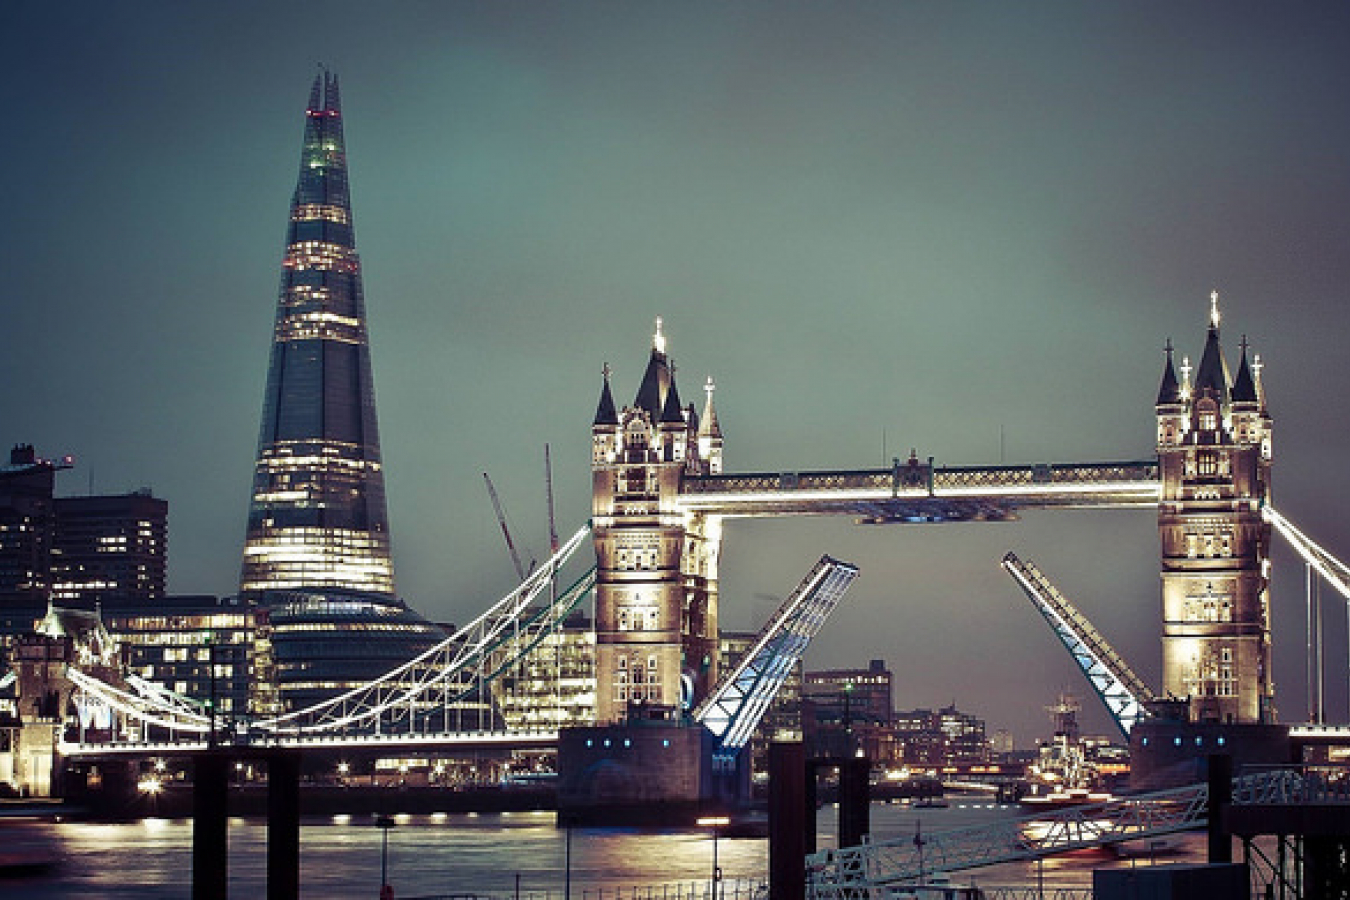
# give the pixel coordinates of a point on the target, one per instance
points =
(317, 517)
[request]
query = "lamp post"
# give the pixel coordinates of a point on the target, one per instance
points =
(211, 699)
(384, 823)
(715, 822)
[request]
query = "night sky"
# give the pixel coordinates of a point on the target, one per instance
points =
(963, 228)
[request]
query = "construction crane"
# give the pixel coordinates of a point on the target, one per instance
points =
(521, 571)
(548, 485)
(1123, 692)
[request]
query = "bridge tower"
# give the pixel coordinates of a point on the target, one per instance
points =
(1214, 461)
(656, 566)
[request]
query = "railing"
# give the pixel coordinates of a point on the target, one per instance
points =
(727, 889)
(923, 478)
(1292, 784)
(747, 889)
(851, 873)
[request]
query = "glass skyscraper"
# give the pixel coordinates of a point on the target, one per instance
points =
(316, 559)
(318, 517)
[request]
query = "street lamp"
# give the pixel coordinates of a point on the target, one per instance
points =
(715, 822)
(384, 823)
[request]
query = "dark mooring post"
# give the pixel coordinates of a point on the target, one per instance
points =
(1220, 797)
(809, 802)
(283, 825)
(210, 835)
(787, 826)
(854, 800)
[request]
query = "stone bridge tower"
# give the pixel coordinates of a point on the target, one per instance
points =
(1214, 460)
(656, 578)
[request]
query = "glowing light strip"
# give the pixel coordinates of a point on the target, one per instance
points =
(1312, 554)
(1133, 493)
(521, 739)
(133, 706)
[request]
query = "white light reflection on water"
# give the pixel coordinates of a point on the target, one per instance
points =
(483, 853)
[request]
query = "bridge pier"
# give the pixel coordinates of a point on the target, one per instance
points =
(210, 822)
(210, 826)
(789, 819)
(283, 824)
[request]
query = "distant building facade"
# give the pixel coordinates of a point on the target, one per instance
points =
(27, 533)
(197, 646)
(943, 737)
(110, 550)
(554, 685)
(850, 710)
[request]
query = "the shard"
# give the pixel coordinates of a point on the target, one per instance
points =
(317, 518)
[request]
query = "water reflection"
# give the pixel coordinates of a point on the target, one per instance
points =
(484, 853)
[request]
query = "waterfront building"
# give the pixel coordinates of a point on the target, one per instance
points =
(554, 685)
(110, 550)
(197, 646)
(316, 556)
(656, 567)
(943, 737)
(850, 710)
(27, 530)
(1214, 460)
(317, 517)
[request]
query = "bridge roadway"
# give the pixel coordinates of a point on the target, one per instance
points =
(920, 492)
(512, 740)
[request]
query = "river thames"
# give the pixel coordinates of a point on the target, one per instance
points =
(468, 853)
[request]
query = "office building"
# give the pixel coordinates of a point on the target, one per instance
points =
(316, 556)
(317, 518)
(110, 550)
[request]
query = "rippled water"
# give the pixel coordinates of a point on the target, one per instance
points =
(467, 853)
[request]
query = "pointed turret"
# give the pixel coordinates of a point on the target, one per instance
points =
(672, 412)
(710, 433)
(605, 412)
(651, 395)
(1244, 385)
(1169, 392)
(1212, 375)
(1171, 405)
(709, 426)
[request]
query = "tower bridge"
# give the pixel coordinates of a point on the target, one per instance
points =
(661, 495)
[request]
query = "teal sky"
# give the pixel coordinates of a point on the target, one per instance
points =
(963, 228)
